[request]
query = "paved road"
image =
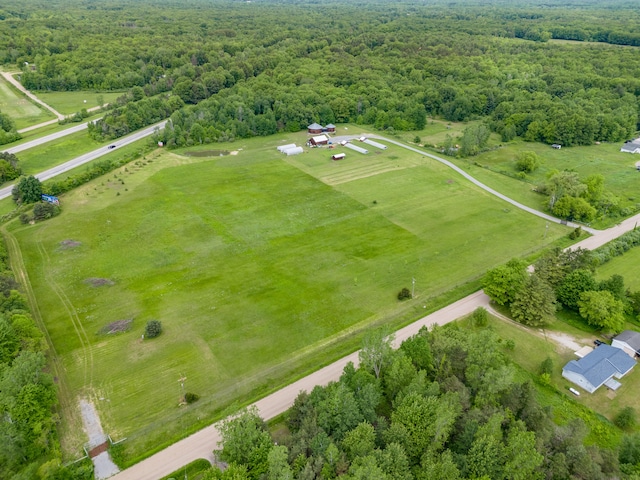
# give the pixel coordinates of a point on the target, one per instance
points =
(48, 138)
(88, 157)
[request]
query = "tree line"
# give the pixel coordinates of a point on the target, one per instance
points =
(279, 66)
(566, 279)
(447, 404)
(29, 447)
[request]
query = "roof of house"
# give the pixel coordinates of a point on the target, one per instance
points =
(314, 126)
(331, 125)
(601, 364)
(320, 138)
(631, 338)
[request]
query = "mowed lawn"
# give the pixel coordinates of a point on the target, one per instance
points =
(68, 103)
(22, 111)
(253, 263)
(626, 265)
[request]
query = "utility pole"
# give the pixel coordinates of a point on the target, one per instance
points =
(182, 379)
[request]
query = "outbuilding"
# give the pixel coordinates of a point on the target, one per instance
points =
(319, 140)
(282, 148)
(338, 156)
(632, 146)
(331, 128)
(557, 146)
(294, 151)
(629, 341)
(356, 148)
(314, 128)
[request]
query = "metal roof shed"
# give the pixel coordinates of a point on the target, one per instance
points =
(282, 148)
(375, 144)
(294, 151)
(356, 148)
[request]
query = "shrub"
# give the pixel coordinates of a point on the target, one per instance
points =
(546, 367)
(44, 210)
(191, 397)
(480, 317)
(626, 418)
(24, 218)
(153, 329)
(404, 294)
(575, 234)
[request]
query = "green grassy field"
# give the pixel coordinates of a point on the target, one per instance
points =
(254, 267)
(621, 176)
(22, 111)
(68, 103)
(48, 155)
(626, 265)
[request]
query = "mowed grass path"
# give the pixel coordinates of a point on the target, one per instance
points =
(252, 265)
(20, 109)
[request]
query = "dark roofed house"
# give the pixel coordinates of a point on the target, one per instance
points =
(331, 128)
(598, 368)
(629, 341)
(314, 128)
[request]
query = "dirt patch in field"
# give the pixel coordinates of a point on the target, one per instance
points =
(118, 326)
(99, 282)
(207, 153)
(70, 244)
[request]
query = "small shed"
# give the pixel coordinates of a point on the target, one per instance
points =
(294, 151)
(282, 148)
(338, 156)
(356, 148)
(319, 140)
(375, 144)
(557, 146)
(629, 341)
(632, 146)
(314, 128)
(331, 128)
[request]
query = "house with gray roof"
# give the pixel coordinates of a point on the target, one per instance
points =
(600, 367)
(314, 128)
(629, 341)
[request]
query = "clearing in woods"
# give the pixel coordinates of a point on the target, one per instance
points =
(258, 271)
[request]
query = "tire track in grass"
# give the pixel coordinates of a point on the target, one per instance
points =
(16, 262)
(85, 343)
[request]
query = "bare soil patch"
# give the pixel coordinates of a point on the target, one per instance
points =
(99, 282)
(70, 244)
(118, 326)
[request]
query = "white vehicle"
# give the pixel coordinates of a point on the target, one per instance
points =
(575, 392)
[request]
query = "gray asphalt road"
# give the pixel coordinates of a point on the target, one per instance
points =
(88, 157)
(46, 139)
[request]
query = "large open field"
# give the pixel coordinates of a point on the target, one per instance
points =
(254, 263)
(22, 111)
(68, 103)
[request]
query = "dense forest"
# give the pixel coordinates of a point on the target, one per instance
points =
(447, 405)
(247, 69)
